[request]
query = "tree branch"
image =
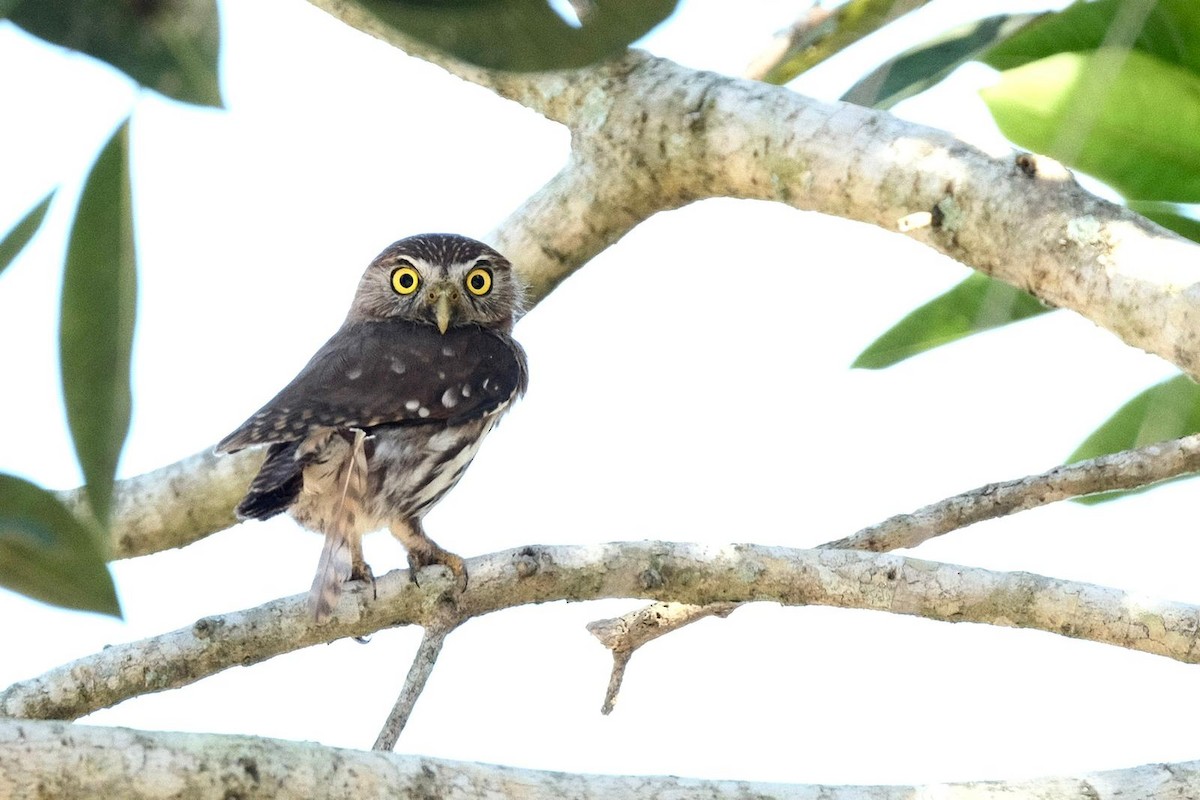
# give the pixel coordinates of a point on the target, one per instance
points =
(686, 573)
(625, 634)
(82, 762)
(1129, 469)
(414, 684)
(175, 505)
(822, 33)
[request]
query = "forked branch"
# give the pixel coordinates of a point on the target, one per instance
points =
(1129, 469)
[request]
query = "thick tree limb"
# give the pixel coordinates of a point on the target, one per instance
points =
(686, 573)
(176, 505)
(82, 762)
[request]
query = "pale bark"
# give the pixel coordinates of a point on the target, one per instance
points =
(175, 505)
(414, 683)
(1128, 469)
(680, 572)
(623, 635)
(80, 762)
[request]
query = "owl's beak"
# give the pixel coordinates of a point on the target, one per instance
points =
(442, 311)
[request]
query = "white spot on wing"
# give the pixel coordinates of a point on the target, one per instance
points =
(449, 398)
(447, 350)
(397, 366)
(422, 412)
(486, 381)
(466, 390)
(354, 373)
(412, 405)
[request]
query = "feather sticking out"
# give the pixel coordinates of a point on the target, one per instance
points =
(343, 538)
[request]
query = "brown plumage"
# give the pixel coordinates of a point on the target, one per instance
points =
(388, 414)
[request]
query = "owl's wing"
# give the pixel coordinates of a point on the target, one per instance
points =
(390, 372)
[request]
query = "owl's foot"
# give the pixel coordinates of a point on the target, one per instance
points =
(429, 553)
(361, 571)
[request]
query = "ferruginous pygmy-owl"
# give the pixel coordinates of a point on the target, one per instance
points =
(385, 418)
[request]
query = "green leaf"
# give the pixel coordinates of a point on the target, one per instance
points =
(977, 304)
(47, 553)
(1123, 117)
(1165, 411)
(521, 35)
(919, 68)
(1170, 31)
(15, 240)
(171, 46)
(1169, 216)
(813, 40)
(96, 323)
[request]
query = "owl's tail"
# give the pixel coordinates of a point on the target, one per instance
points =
(341, 557)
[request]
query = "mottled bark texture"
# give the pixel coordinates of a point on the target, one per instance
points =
(79, 762)
(687, 573)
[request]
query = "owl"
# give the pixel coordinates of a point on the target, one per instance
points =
(388, 414)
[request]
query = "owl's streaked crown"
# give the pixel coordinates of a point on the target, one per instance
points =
(443, 262)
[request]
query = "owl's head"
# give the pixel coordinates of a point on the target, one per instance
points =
(442, 279)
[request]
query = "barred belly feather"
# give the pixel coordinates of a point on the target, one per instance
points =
(412, 468)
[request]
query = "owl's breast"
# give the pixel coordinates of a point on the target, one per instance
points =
(412, 467)
(409, 469)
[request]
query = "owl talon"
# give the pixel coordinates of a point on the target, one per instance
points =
(436, 555)
(361, 571)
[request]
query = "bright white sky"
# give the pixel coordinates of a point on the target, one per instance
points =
(689, 384)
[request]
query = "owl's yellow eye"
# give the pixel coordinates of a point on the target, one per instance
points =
(479, 281)
(405, 280)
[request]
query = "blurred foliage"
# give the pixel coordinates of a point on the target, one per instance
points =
(1165, 411)
(1168, 30)
(821, 34)
(920, 68)
(522, 35)
(48, 553)
(1123, 117)
(15, 240)
(1110, 88)
(977, 304)
(170, 46)
(99, 296)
